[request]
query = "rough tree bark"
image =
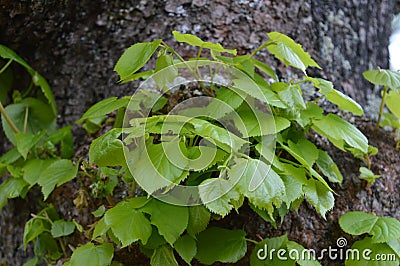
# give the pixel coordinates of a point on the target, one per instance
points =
(75, 45)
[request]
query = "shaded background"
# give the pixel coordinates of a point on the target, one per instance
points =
(75, 44)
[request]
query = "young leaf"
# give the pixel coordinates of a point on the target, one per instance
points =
(196, 41)
(368, 175)
(127, 223)
(258, 182)
(33, 228)
(163, 255)
(104, 107)
(33, 169)
(339, 131)
(199, 217)
(89, 254)
(13, 187)
(107, 150)
(382, 229)
(186, 248)
(289, 94)
(217, 244)
(383, 77)
(319, 196)
(372, 258)
(392, 102)
(170, 220)
(165, 71)
(135, 57)
(336, 97)
(62, 228)
(57, 173)
(289, 51)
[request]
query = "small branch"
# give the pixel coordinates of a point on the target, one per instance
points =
(26, 118)
(8, 119)
(5, 66)
(385, 89)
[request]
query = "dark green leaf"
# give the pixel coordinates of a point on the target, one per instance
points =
(25, 142)
(163, 256)
(217, 244)
(319, 196)
(186, 248)
(33, 228)
(199, 217)
(104, 107)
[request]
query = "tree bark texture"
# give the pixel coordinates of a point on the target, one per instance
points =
(75, 44)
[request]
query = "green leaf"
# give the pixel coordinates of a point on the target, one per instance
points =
(308, 259)
(170, 220)
(218, 196)
(287, 50)
(265, 68)
(104, 107)
(25, 142)
(336, 97)
(107, 150)
(32, 262)
(186, 248)
(294, 179)
(258, 182)
(217, 244)
(163, 255)
(328, 167)
(313, 111)
(33, 169)
(339, 131)
(13, 187)
(99, 212)
(304, 151)
(319, 196)
(127, 223)
(199, 217)
(371, 254)
(62, 228)
(33, 228)
(40, 117)
(196, 41)
(382, 229)
(135, 57)
(392, 102)
(368, 175)
(166, 72)
(56, 174)
(6, 82)
(89, 254)
(383, 77)
(289, 94)
(46, 246)
(389, 120)
(100, 229)
(37, 79)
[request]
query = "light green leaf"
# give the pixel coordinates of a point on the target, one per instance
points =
(62, 228)
(392, 102)
(313, 111)
(304, 151)
(260, 256)
(319, 196)
(328, 167)
(307, 260)
(218, 195)
(383, 77)
(25, 142)
(289, 94)
(186, 248)
(40, 117)
(107, 150)
(258, 182)
(104, 107)
(218, 244)
(372, 254)
(196, 41)
(89, 254)
(336, 97)
(13, 187)
(100, 229)
(287, 55)
(57, 173)
(165, 71)
(382, 229)
(135, 57)
(99, 212)
(127, 223)
(368, 175)
(163, 255)
(339, 131)
(170, 220)
(199, 217)
(293, 186)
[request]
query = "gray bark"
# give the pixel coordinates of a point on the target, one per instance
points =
(75, 45)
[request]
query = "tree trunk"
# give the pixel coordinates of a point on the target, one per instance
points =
(75, 44)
